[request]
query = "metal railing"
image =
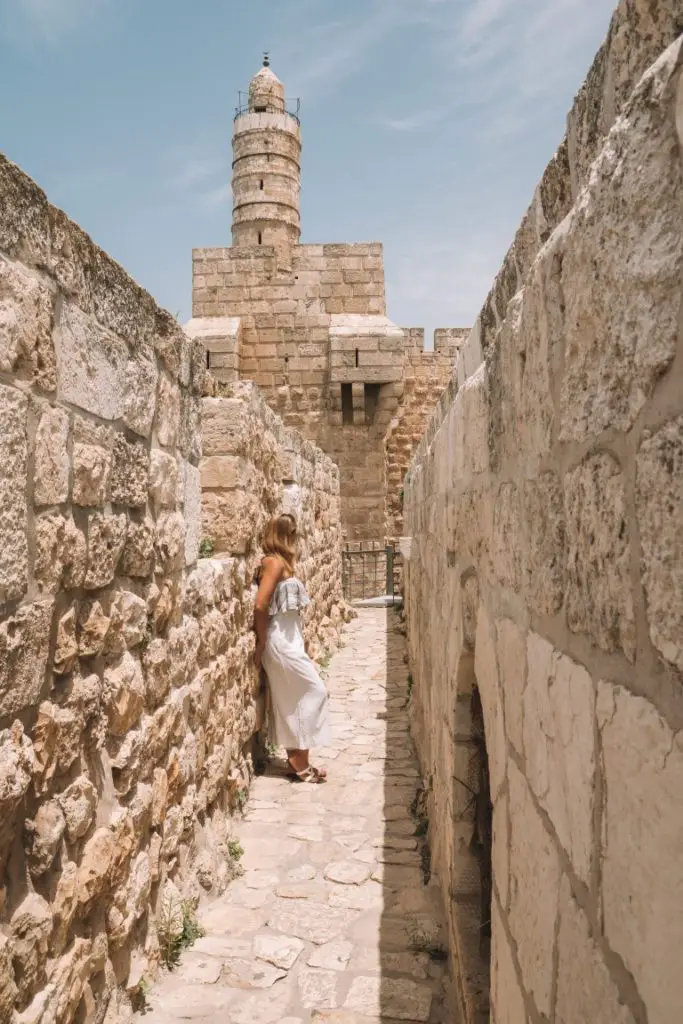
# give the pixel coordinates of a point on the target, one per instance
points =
(291, 107)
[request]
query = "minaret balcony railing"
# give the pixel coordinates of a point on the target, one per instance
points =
(291, 107)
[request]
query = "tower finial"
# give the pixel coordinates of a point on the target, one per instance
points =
(266, 58)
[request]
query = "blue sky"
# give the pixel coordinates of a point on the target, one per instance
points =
(426, 125)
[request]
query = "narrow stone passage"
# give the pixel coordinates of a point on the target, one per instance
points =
(332, 921)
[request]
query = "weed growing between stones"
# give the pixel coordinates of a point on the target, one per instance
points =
(178, 928)
(207, 547)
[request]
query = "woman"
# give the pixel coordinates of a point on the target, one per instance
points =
(298, 695)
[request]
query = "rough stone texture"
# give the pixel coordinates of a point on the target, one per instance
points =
(544, 553)
(266, 955)
(660, 499)
(129, 706)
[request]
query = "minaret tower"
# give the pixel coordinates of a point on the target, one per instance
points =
(266, 168)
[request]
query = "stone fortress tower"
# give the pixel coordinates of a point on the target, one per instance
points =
(308, 323)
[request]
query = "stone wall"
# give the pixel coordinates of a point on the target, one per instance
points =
(545, 568)
(425, 376)
(128, 704)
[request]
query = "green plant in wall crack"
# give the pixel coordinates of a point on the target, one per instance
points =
(178, 928)
(207, 547)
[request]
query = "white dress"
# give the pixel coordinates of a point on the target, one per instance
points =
(298, 694)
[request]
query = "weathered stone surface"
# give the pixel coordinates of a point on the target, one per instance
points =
(141, 379)
(26, 317)
(192, 512)
(92, 627)
(56, 736)
(585, 990)
(42, 836)
(91, 469)
(395, 998)
(124, 694)
(511, 648)
(16, 767)
(138, 553)
(106, 540)
(280, 950)
(95, 866)
(78, 803)
(129, 474)
(163, 478)
(659, 503)
(545, 565)
(91, 365)
(333, 956)
(643, 768)
(170, 541)
(622, 308)
(24, 642)
(66, 645)
(30, 929)
(506, 994)
(347, 872)
(317, 988)
(311, 921)
(51, 458)
(13, 457)
(168, 412)
(599, 595)
(534, 895)
(559, 746)
(8, 988)
(60, 553)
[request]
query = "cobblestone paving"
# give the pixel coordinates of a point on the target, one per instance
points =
(331, 922)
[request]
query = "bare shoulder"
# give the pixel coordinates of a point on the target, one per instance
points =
(272, 567)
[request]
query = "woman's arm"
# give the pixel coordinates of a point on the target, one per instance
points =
(271, 573)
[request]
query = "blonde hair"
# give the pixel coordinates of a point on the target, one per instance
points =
(279, 538)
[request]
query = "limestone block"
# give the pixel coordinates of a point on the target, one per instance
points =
(534, 894)
(56, 741)
(64, 906)
(106, 541)
(139, 551)
(68, 977)
(163, 479)
(659, 504)
(51, 458)
(511, 646)
(170, 541)
(91, 365)
(60, 558)
(78, 803)
(66, 646)
(24, 643)
(130, 472)
(42, 836)
(26, 317)
(91, 469)
(156, 666)
(227, 427)
(95, 867)
(500, 847)
(168, 412)
(623, 299)
(486, 673)
(585, 990)
(30, 928)
(559, 712)
(129, 618)
(229, 519)
(509, 547)
(124, 694)
(642, 869)
(546, 544)
(192, 511)
(130, 902)
(8, 988)
(13, 456)
(506, 994)
(92, 627)
(142, 378)
(226, 472)
(599, 593)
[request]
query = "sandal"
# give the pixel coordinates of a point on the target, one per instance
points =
(310, 774)
(321, 773)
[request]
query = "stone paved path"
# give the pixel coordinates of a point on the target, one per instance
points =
(331, 922)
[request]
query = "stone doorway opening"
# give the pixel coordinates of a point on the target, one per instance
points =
(471, 864)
